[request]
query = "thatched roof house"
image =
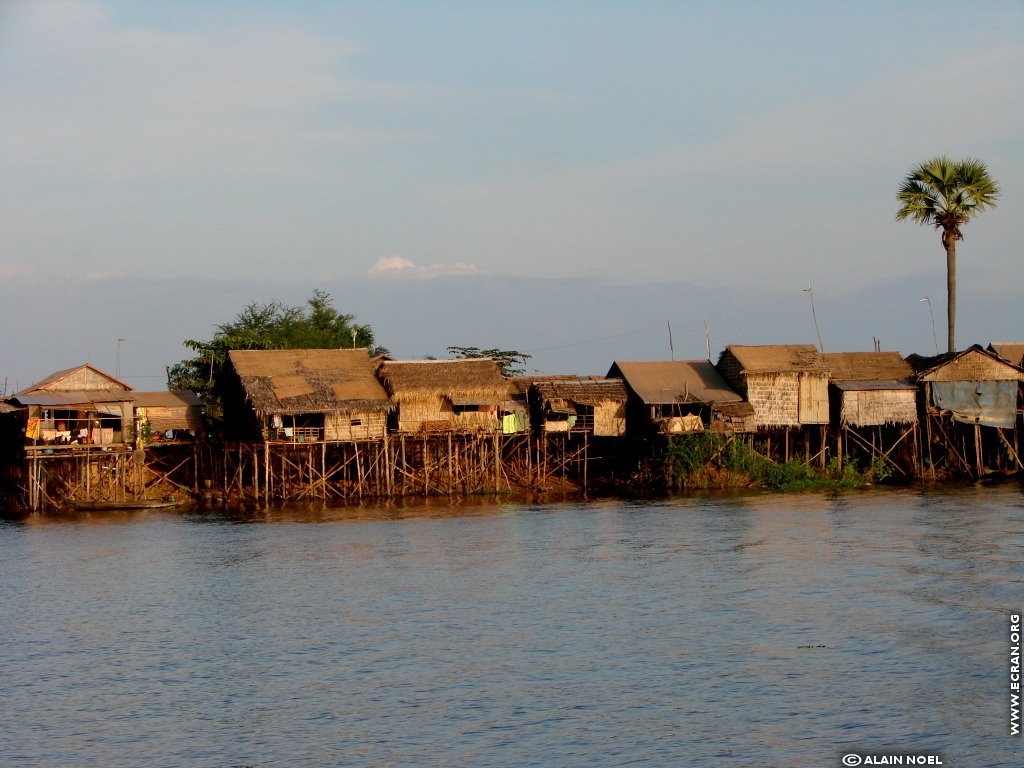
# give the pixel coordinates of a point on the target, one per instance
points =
(445, 395)
(975, 386)
(683, 396)
(592, 404)
(80, 404)
(787, 384)
(871, 389)
(308, 395)
(1010, 351)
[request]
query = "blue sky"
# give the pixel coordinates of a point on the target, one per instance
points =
(741, 147)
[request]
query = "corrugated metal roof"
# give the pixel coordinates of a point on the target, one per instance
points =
(778, 358)
(867, 366)
(87, 397)
(1010, 351)
(178, 398)
(667, 382)
(871, 386)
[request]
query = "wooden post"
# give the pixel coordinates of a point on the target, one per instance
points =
(586, 457)
(977, 450)
(928, 436)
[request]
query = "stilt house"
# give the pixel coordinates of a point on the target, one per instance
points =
(168, 417)
(787, 384)
(871, 389)
(305, 395)
(973, 391)
(874, 408)
(75, 406)
(679, 396)
(445, 395)
(591, 404)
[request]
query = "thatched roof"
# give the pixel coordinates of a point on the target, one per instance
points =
(58, 376)
(668, 382)
(465, 381)
(581, 390)
(778, 358)
(867, 366)
(290, 381)
(1010, 351)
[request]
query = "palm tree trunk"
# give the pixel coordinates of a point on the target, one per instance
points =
(950, 242)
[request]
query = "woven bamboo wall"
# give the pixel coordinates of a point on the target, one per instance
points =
(339, 426)
(775, 398)
(425, 416)
(610, 419)
(877, 408)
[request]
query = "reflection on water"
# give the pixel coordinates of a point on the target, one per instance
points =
(783, 630)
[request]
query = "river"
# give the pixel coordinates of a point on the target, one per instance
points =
(781, 630)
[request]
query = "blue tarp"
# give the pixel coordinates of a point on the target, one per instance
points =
(990, 403)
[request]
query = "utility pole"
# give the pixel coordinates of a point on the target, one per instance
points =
(810, 292)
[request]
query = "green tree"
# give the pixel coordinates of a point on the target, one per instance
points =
(946, 195)
(318, 325)
(509, 361)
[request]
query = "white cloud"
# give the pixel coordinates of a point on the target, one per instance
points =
(397, 265)
(390, 265)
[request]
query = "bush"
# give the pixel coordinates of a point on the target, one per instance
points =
(710, 459)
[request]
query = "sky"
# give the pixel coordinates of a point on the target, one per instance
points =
(562, 177)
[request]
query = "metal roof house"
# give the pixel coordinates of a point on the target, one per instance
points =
(171, 416)
(871, 389)
(77, 405)
(676, 396)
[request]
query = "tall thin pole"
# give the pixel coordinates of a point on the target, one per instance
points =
(935, 339)
(117, 358)
(810, 292)
(707, 338)
(671, 347)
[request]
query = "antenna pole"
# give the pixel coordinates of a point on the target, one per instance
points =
(810, 292)
(671, 347)
(707, 338)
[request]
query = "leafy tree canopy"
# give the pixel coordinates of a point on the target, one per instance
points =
(509, 361)
(318, 325)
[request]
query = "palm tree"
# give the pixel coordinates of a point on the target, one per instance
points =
(946, 195)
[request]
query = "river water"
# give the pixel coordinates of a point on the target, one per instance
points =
(781, 630)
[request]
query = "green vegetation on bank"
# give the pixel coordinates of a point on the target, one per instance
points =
(714, 460)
